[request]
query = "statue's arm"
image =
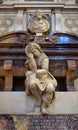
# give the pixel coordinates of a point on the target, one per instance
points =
(41, 71)
(45, 63)
(44, 67)
(31, 63)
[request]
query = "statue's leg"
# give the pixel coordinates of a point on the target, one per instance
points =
(37, 94)
(47, 97)
(33, 87)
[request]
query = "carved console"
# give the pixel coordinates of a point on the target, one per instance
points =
(61, 48)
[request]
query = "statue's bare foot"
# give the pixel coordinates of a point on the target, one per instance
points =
(44, 111)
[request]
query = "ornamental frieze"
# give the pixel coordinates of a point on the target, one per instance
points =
(70, 23)
(5, 24)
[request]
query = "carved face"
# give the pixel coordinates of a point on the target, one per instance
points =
(36, 52)
(38, 14)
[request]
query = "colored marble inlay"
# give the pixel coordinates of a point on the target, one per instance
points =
(39, 122)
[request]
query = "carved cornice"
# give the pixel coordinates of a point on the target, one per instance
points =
(38, 4)
(53, 1)
(15, 37)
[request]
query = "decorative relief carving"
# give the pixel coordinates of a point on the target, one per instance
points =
(5, 24)
(45, 15)
(38, 24)
(70, 23)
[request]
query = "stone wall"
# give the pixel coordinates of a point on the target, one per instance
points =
(15, 15)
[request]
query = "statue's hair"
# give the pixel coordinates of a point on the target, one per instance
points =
(38, 11)
(31, 46)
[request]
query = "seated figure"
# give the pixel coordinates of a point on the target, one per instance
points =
(39, 81)
(38, 24)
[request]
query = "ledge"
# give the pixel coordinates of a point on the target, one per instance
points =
(19, 103)
(38, 4)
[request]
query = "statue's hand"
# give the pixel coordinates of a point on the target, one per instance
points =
(41, 74)
(41, 71)
(31, 62)
(30, 55)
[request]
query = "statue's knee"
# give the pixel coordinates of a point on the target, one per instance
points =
(32, 84)
(50, 88)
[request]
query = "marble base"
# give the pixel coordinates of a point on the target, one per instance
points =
(19, 103)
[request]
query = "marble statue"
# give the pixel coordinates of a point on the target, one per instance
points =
(38, 24)
(39, 82)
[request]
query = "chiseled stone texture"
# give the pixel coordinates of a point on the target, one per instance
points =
(19, 103)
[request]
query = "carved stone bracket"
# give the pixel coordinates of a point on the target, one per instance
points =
(71, 74)
(8, 75)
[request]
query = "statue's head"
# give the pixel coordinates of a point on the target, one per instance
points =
(33, 48)
(38, 24)
(38, 14)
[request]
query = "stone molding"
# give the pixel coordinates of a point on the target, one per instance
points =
(25, 1)
(38, 4)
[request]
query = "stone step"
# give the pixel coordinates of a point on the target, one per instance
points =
(19, 103)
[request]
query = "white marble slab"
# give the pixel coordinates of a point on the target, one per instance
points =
(19, 103)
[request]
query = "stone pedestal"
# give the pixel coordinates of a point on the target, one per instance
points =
(63, 112)
(19, 103)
